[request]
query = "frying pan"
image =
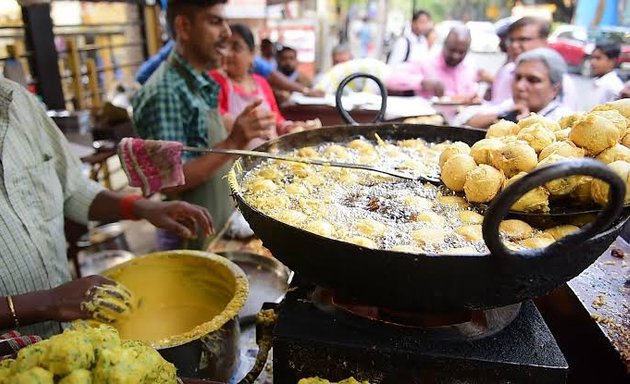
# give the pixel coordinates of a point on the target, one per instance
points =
(429, 282)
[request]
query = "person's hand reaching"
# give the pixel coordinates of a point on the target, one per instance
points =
(252, 123)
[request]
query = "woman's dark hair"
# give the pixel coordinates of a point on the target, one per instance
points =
(243, 31)
(420, 12)
(611, 49)
(187, 8)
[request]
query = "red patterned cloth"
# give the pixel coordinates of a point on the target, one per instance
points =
(13, 341)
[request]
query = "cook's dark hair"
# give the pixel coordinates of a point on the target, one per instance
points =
(611, 49)
(243, 31)
(543, 26)
(420, 12)
(187, 8)
(285, 49)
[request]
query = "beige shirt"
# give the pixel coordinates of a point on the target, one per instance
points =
(40, 183)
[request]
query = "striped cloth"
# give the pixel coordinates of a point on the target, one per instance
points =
(13, 341)
(40, 182)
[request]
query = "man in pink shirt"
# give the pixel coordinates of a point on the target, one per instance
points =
(446, 74)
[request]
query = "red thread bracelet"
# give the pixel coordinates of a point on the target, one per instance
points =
(126, 206)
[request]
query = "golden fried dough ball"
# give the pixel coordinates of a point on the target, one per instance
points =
(453, 172)
(80, 376)
(537, 242)
(314, 180)
(594, 133)
(625, 139)
(453, 201)
(297, 188)
(582, 191)
(262, 185)
(622, 106)
(515, 229)
(562, 134)
(561, 231)
(429, 217)
(562, 186)
(418, 144)
(615, 117)
(471, 232)
(300, 169)
(568, 120)
(30, 357)
(535, 200)
(309, 152)
(537, 136)
(501, 128)
(362, 241)
(369, 158)
(271, 173)
(562, 148)
(290, 216)
(533, 118)
(599, 188)
(370, 228)
(320, 227)
(69, 351)
(482, 150)
(483, 183)
(470, 217)
(406, 248)
(336, 151)
(618, 152)
(514, 157)
(35, 375)
(425, 236)
(348, 177)
(361, 145)
(453, 149)
(417, 202)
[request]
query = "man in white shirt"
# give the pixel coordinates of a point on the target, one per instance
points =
(413, 44)
(606, 85)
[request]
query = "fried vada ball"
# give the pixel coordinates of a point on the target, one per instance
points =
(361, 145)
(453, 149)
(370, 228)
(615, 117)
(429, 217)
(514, 157)
(417, 202)
(537, 136)
(599, 188)
(5, 369)
(453, 201)
(515, 229)
(300, 169)
(582, 191)
(262, 185)
(336, 151)
(482, 150)
(625, 140)
(35, 375)
(562, 148)
(568, 120)
(534, 118)
(612, 154)
(562, 186)
(594, 133)
(68, 351)
(348, 177)
(30, 356)
(290, 216)
(320, 227)
(79, 376)
(453, 172)
(483, 183)
(271, 173)
(560, 231)
(470, 217)
(424, 236)
(470, 232)
(501, 128)
(417, 144)
(537, 242)
(309, 152)
(562, 134)
(622, 106)
(297, 188)
(369, 158)
(535, 200)
(362, 241)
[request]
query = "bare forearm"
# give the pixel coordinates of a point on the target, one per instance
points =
(278, 80)
(482, 120)
(30, 308)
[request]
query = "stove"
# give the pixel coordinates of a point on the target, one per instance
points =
(321, 334)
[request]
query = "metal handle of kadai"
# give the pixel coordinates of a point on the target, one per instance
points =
(500, 206)
(344, 114)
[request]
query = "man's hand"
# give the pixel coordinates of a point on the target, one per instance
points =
(522, 111)
(310, 92)
(252, 123)
(186, 220)
(436, 87)
(85, 298)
